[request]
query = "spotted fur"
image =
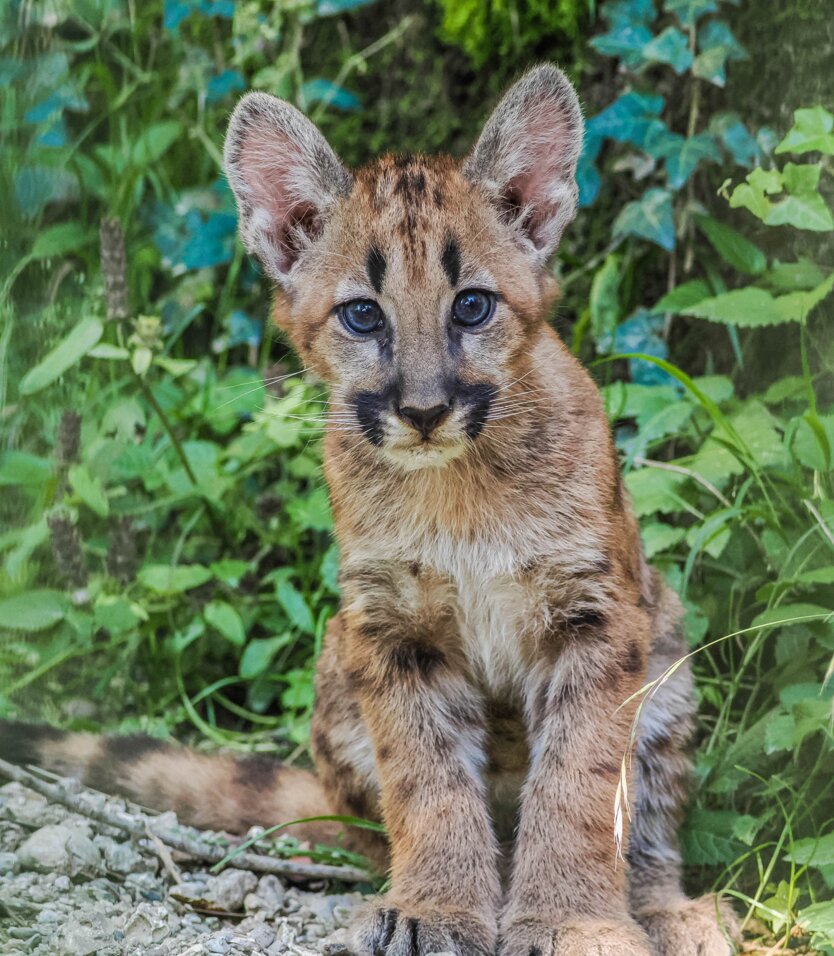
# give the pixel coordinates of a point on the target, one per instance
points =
(497, 611)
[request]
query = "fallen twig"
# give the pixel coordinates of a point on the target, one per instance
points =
(89, 803)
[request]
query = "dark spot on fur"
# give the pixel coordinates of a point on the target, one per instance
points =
(450, 260)
(376, 266)
(414, 568)
(403, 160)
(438, 197)
(405, 790)
(603, 566)
(414, 657)
(384, 752)
(586, 619)
(358, 804)
(257, 771)
(566, 695)
(540, 703)
(132, 747)
(20, 742)
(321, 744)
(605, 769)
(534, 951)
(632, 660)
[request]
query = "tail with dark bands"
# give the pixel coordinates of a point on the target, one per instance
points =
(211, 791)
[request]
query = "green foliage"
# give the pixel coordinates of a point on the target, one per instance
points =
(165, 555)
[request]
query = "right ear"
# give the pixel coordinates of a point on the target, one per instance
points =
(285, 178)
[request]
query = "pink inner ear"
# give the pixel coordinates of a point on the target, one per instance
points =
(541, 164)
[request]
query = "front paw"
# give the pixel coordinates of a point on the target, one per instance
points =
(532, 936)
(702, 927)
(384, 929)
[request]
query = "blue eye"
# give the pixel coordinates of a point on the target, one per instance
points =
(472, 307)
(361, 316)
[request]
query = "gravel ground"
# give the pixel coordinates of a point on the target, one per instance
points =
(70, 886)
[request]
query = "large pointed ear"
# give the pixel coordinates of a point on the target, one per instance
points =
(286, 180)
(526, 157)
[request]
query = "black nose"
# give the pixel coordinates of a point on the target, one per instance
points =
(425, 420)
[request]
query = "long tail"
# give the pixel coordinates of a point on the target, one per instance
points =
(217, 792)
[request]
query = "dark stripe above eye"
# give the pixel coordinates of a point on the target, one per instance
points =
(376, 266)
(450, 260)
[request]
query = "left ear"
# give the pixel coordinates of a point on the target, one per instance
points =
(526, 157)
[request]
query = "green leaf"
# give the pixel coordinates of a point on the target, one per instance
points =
(811, 132)
(819, 918)
(65, 354)
(23, 468)
(659, 537)
(733, 248)
(115, 613)
(297, 610)
(707, 838)
(683, 296)
(604, 303)
(654, 491)
(816, 850)
(225, 619)
(34, 610)
(809, 445)
(671, 47)
(747, 308)
(230, 570)
(60, 239)
(311, 512)
(649, 217)
(807, 211)
(788, 614)
(153, 142)
(259, 654)
(797, 306)
(164, 579)
(89, 489)
(779, 733)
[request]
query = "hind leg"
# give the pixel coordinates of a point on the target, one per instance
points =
(677, 925)
(344, 754)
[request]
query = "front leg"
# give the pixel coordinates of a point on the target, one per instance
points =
(568, 891)
(426, 724)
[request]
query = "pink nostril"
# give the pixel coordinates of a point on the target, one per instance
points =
(425, 420)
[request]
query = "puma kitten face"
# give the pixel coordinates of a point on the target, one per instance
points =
(415, 285)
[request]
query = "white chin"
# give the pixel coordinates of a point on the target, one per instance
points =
(423, 456)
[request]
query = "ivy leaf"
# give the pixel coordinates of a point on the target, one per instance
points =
(717, 47)
(670, 47)
(807, 211)
(65, 354)
(643, 332)
(733, 248)
(688, 11)
(683, 154)
(628, 119)
(736, 139)
(323, 91)
(625, 42)
(604, 303)
(649, 217)
(812, 130)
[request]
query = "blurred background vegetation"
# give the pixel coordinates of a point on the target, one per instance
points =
(164, 527)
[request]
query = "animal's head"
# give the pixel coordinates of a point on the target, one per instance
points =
(415, 285)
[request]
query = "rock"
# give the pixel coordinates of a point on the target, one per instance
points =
(268, 897)
(60, 849)
(229, 890)
(149, 923)
(8, 863)
(119, 857)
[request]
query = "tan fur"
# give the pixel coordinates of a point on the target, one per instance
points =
(497, 610)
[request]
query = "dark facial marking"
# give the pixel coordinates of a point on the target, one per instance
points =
(477, 398)
(450, 260)
(586, 618)
(376, 266)
(369, 408)
(632, 661)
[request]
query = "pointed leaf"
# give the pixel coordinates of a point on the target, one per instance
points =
(65, 354)
(649, 217)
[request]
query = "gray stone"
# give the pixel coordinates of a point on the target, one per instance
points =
(119, 857)
(8, 863)
(57, 848)
(230, 888)
(149, 923)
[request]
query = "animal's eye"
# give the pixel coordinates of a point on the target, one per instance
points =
(472, 307)
(361, 316)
